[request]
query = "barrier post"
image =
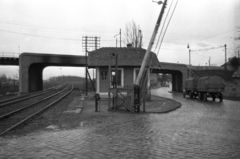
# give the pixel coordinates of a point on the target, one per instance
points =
(97, 98)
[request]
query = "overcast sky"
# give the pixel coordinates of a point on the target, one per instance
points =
(57, 26)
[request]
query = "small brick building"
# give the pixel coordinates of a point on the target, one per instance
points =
(129, 63)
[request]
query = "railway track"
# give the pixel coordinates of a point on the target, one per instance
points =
(25, 97)
(16, 117)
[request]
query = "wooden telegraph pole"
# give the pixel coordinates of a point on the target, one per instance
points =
(120, 38)
(147, 54)
(136, 95)
(89, 43)
(225, 48)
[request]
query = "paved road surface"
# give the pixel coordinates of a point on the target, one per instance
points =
(197, 130)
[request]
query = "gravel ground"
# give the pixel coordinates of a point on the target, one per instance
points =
(62, 116)
(53, 116)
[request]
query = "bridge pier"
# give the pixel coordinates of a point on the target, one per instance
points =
(35, 77)
(177, 81)
(174, 81)
(31, 67)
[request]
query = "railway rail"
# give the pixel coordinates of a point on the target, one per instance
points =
(25, 97)
(15, 118)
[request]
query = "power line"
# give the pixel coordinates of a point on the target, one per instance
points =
(48, 37)
(212, 48)
(207, 49)
(39, 35)
(167, 26)
(168, 42)
(56, 29)
(174, 43)
(162, 27)
(198, 40)
(217, 35)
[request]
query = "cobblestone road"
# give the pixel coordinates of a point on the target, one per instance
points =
(196, 130)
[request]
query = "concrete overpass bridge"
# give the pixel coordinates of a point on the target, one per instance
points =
(31, 67)
(178, 72)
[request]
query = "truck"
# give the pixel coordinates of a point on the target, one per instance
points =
(204, 87)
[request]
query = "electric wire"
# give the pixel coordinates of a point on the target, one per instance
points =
(162, 28)
(151, 57)
(217, 35)
(208, 51)
(48, 37)
(38, 35)
(144, 80)
(167, 27)
(55, 29)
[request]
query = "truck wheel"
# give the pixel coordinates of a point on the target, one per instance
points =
(220, 97)
(184, 94)
(191, 95)
(205, 96)
(213, 97)
(199, 96)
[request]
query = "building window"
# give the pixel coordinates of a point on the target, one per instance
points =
(119, 79)
(135, 73)
(104, 75)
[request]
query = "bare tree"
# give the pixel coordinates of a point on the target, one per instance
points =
(133, 35)
(3, 81)
(238, 36)
(16, 75)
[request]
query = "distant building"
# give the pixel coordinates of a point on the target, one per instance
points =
(129, 63)
(236, 74)
(228, 65)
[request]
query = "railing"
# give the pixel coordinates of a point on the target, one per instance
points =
(9, 54)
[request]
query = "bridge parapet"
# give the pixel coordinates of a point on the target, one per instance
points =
(9, 55)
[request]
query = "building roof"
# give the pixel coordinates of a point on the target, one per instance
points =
(126, 57)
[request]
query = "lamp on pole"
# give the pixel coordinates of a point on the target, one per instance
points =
(120, 38)
(116, 41)
(158, 2)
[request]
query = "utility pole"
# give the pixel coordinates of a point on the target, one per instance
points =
(144, 62)
(120, 38)
(89, 43)
(136, 95)
(120, 34)
(86, 78)
(188, 46)
(189, 57)
(140, 39)
(225, 46)
(209, 61)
